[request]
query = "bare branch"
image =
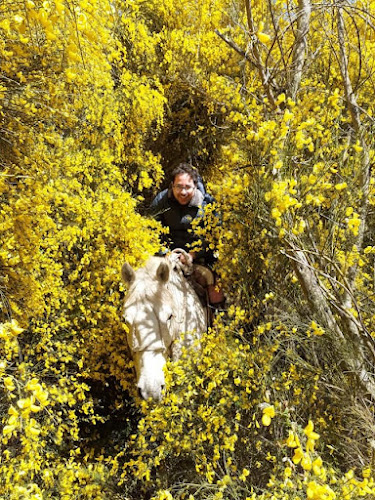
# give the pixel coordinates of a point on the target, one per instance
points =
(255, 50)
(350, 96)
(277, 36)
(299, 54)
(354, 110)
(313, 291)
(238, 49)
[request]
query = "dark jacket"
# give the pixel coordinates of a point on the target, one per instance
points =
(178, 218)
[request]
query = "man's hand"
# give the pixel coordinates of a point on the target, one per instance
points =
(184, 257)
(187, 258)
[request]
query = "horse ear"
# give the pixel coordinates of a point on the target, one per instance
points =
(162, 272)
(127, 273)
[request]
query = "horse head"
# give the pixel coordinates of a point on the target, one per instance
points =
(159, 306)
(148, 314)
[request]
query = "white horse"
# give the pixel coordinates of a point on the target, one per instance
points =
(160, 305)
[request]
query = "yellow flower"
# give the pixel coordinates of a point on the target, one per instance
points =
(15, 329)
(293, 440)
(315, 329)
(8, 429)
(357, 148)
(287, 472)
(70, 75)
(9, 384)
(306, 462)
(310, 445)
(349, 211)
(316, 491)
(262, 37)
(298, 456)
(245, 473)
(268, 414)
(309, 431)
(317, 465)
(163, 495)
(354, 223)
(366, 472)
(288, 115)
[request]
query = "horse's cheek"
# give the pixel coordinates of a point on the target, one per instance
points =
(166, 334)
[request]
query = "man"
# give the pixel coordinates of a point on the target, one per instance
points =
(176, 208)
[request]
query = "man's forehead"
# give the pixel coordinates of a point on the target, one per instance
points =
(183, 178)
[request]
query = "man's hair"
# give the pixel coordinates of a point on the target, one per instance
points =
(185, 168)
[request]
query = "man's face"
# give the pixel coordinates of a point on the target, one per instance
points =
(183, 188)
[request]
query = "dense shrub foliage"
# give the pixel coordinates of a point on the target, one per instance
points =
(273, 102)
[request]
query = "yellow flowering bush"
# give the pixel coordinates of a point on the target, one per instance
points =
(185, 429)
(275, 106)
(71, 152)
(225, 430)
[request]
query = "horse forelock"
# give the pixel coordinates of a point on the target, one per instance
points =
(147, 288)
(146, 285)
(140, 290)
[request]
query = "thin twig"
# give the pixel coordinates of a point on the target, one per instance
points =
(236, 48)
